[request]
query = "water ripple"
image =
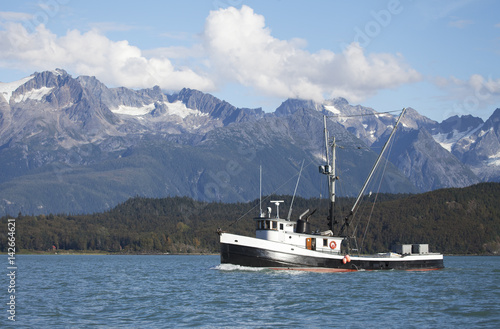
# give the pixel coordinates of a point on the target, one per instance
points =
(196, 291)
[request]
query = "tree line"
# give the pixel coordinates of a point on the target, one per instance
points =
(451, 221)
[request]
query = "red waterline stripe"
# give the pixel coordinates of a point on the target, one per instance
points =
(317, 270)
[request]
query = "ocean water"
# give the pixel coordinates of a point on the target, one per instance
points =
(80, 291)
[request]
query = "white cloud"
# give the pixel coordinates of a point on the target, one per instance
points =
(441, 9)
(91, 53)
(472, 96)
(235, 47)
(14, 16)
(460, 23)
(475, 85)
(241, 48)
(112, 26)
(478, 82)
(176, 52)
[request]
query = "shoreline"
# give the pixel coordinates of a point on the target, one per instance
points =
(108, 253)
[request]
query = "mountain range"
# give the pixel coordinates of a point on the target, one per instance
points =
(73, 145)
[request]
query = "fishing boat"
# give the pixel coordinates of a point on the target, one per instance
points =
(285, 244)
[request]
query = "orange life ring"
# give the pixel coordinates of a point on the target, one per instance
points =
(333, 245)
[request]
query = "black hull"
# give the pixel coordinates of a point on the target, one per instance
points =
(257, 257)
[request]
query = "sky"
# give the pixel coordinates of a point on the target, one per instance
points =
(439, 57)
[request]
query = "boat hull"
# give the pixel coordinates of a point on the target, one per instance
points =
(245, 251)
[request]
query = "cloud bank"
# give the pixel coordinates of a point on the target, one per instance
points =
(472, 94)
(242, 49)
(235, 46)
(92, 53)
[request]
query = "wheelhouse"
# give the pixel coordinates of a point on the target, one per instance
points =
(296, 233)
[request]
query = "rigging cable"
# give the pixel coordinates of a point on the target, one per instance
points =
(379, 158)
(378, 190)
(269, 196)
(360, 115)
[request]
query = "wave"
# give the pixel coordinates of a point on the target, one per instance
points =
(231, 267)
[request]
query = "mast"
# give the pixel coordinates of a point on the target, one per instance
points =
(331, 184)
(261, 214)
(346, 219)
(329, 170)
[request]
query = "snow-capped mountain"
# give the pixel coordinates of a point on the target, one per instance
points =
(416, 154)
(74, 145)
(55, 99)
(455, 128)
(474, 142)
(480, 148)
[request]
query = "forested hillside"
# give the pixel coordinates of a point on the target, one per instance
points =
(451, 221)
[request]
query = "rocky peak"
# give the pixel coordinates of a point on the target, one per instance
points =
(40, 85)
(460, 124)
(415, 120)
(196, 100)
(292, 105)
(495, 117)
(153, 93)
(340, 101)
(214, 107)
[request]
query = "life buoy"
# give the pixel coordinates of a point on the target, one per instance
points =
(333, 245)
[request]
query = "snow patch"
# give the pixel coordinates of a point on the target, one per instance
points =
(177, 108)
(447, 142)
(483, 132)
(332, 109)
(133, 110)
(34, 94)
(57, 72)
(442, 139)
(319, 155)
(494, 160)
(7, 88)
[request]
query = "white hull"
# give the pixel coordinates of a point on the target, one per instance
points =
(248, 251)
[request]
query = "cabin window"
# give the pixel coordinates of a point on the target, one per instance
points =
(268, 225)
(281, 227)
(275, 225)
(325, 242)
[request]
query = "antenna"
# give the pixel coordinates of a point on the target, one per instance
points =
(260, 193)
(277, 203)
